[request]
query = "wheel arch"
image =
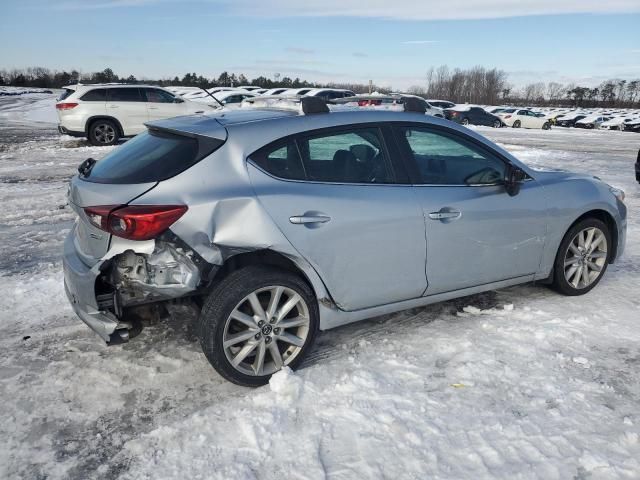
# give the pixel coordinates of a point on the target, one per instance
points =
(92, 119)
(275, 259)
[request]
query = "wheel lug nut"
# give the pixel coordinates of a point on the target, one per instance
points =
(273, 320)
(276, 331)
(267, 339)
(257, 336)
(261, 323)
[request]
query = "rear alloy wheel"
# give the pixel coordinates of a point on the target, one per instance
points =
(465, 121)
(516, 124)
(497, 124)
(256, 321)
(103, 133)
(546, 126)
(582, 258)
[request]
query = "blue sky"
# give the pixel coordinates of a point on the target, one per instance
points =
(393, 43)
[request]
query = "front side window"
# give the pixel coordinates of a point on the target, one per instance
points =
(442, 159)
(96, 95)
(124, 95)
(355, 156)
(155, 95)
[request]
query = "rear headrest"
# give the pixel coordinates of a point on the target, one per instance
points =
(343, 156)
(363, 152)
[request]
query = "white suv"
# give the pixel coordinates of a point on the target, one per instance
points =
(105, 113)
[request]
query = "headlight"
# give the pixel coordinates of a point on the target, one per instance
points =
(619, 194)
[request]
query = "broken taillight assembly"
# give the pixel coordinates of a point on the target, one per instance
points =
(134, 222)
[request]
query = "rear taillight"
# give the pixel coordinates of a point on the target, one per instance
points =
(66, 105)
(453, 114)
(135, 222)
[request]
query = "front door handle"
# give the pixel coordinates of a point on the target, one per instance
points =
(445, 215)
(306, 219)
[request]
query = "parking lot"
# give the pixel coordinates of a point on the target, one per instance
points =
(520, 382)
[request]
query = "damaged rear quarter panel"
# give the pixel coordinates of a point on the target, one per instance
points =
(225, 217)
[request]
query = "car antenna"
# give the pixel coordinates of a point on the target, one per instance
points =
(211, 95)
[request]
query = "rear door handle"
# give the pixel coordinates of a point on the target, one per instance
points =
(445, 215)
(306, 219)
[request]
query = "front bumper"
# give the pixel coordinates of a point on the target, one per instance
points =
(79, 285)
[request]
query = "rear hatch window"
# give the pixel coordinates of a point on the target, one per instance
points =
(65, 93)
(152, 156)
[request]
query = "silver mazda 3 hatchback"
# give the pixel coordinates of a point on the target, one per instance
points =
(279, 221)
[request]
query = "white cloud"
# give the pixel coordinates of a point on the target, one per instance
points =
(420, 42)
(429, 9)
(398, 9)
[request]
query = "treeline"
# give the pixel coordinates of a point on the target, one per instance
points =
(477, 85)
(46, 78)
(491, 87)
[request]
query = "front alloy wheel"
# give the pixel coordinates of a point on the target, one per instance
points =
(583, 257)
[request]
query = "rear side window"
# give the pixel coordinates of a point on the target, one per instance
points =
(355, 156)
(151, 156)
(281, 160)
(97, 95)
(125, 95)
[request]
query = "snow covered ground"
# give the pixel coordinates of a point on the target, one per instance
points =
(518, 383)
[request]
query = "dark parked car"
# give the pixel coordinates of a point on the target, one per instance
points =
(441, 104)
(472, 116)
(569, 122)
(638, 167)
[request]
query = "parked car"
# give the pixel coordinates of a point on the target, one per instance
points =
(591, 121)
(106, 113)
(516, 118)
(329, 93)
(616, 123)
(470, 115)
(314, 219)
(274, 91)
(249, 88)
(569, 119)
(233, 98)
(443, 104)
(632, 125)
(638, 167)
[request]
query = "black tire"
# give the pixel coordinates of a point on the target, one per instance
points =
(465, 121)
(516, 124)
(103, 133)
(225, 297)
(560, 283)
(497, 124)
(546, 126)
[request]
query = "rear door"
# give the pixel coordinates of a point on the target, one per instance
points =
(334, 194)
(476, 232)
(128, 106)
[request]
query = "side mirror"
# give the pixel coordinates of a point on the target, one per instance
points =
(178, 100)
(513, 179)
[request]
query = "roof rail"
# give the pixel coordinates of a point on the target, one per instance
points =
(309, 105)
(306, 105)
(410, 103)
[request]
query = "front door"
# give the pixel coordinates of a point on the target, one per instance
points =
(161, 104)
(333, 196)
(476, 232)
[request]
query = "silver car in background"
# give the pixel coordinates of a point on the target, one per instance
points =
(280, 221)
